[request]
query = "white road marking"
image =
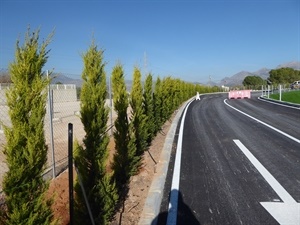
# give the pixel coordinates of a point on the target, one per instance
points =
(282, 193)
(173, 203)
(263, 123)
(286, 212)
(278, 103)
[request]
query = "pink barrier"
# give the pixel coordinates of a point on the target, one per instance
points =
(239, 94)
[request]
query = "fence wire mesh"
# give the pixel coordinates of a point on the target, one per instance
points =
(4, 120)
(62, 108)
(268, 90)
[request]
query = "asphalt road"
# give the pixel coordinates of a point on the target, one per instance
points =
(239, 164)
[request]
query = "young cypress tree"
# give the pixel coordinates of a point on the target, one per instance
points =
(177, 100)
(26, 149)
(148, 107)
(138, 117)
(167, 92)
(157, 101)
(125, 157)
(92, 157)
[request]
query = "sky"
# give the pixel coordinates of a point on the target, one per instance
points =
(194, 40)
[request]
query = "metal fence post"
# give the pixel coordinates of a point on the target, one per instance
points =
(279, 92)
(110, 105)
(70, 162)
(50, 106)
(272, 89)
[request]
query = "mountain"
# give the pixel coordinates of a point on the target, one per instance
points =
(263, 73)
(294, 65)
(234, 80)
(237, 79)
(60, 78)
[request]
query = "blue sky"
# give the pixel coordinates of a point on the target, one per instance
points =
(187, 39)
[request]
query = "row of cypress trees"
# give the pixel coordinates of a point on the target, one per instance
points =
(140, 116)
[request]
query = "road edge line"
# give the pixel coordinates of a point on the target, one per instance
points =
(152, 204)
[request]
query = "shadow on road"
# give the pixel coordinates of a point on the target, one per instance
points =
(184, 213)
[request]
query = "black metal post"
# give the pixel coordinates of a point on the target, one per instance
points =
(70, 161)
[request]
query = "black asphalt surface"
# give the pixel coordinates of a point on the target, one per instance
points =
(218, 183)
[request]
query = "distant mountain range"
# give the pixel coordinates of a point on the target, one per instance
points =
(238, 78)
(60, 78)
(234, 80)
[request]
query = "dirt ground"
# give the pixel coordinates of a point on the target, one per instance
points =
(139, 186)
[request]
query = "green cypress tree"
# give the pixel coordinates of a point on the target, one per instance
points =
(177, 100)
(157, 101)
(91, 158)
(138, 117)
(168, 91)
(125, 157)
(26, 149)
(148, 107)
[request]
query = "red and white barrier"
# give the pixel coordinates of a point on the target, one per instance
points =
(239, 94)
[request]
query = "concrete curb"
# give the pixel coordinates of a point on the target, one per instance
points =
(152, 205)
(279, 102)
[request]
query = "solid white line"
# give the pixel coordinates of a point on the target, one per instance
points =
(281, 192)
(278, 103)
(173, 203)
(263, 123)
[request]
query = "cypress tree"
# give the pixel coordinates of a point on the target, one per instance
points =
(148, 107)
(125, 157)
(168, 92)
(157, 101)
(91, 157)
(138, 117)
(177, 99)
(26, 149)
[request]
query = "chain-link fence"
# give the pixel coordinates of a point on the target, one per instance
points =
(268, 90)
(4, 120)
(62, 108)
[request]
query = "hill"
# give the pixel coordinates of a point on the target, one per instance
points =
(294, 65)
(60, 78)
(234, 80)
(237, 79)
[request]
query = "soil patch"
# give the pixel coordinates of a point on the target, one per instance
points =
(139, 186)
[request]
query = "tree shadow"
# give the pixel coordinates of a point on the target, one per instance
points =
(183, 216)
